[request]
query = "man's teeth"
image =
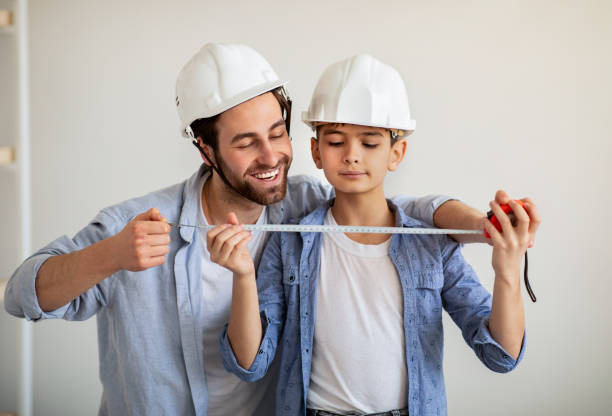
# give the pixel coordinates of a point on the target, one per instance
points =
(267, 175)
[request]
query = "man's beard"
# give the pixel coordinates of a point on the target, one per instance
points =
(244, 188)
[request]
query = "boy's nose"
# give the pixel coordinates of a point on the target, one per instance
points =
(352, 155)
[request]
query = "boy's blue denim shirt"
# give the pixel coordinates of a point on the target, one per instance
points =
(150, 323)
(433, 274)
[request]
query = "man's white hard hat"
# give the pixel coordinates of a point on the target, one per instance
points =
(219, 77)
(360, 90)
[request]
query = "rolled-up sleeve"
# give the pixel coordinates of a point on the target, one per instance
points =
(469, 305)
(272, 312)
(20, 298)
(422, 208)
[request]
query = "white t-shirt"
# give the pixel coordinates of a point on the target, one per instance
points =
(227, 394)
(358, 355)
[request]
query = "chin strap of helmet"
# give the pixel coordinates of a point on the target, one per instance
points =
(210, 163)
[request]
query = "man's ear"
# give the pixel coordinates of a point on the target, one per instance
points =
(398, 151)
(207, 149)
(314, 149)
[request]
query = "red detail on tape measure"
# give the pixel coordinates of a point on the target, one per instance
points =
(506, 208)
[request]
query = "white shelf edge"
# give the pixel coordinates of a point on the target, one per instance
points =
(3, 283)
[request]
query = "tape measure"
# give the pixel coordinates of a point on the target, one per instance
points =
(298, 228)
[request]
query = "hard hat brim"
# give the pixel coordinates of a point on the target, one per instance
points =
(408, 128)
(236, 100)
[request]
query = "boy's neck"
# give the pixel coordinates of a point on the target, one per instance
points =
(368, 209)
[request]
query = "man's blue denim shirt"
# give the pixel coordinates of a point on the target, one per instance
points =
(433, 274)
(150, 323)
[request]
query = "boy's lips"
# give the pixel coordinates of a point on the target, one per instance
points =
(351, 174)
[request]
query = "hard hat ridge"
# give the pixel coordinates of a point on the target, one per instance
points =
(218, 77)
(360, 90)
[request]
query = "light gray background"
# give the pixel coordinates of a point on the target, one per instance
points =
(506, 94)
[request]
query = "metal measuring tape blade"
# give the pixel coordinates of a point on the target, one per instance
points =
(298, 228)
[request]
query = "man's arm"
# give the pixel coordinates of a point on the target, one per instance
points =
(457, 215)
(143, 243)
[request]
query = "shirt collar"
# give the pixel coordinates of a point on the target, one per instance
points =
(189, 211)
(317, 216)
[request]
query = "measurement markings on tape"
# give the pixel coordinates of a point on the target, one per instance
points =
(298, 228)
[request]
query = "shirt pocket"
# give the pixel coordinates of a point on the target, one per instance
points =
(428, 299)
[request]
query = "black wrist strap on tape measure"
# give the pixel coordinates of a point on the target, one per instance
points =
(527, 285)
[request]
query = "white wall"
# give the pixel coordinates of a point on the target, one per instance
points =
(507, 94)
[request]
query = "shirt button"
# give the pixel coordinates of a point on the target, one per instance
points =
(291, 278)
(261, 351)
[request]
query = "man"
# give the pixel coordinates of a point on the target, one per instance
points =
(159, 300)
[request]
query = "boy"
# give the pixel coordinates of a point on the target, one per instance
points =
(359, 316)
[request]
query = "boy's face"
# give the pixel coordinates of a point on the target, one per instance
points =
(356, 158)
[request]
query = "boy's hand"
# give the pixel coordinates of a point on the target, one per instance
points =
(510, 245)
(501, 197)
(228, 247)
(143, 243)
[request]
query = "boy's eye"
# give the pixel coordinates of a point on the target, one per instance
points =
(370, 145)
(335, 144)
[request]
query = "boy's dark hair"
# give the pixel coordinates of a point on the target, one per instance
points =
(207, 130)
(394, 137)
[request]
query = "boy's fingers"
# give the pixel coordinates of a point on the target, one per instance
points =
(521, 216)
(232, 242)
(534, 222)
(232, 219)
(212, 233)
(496, 236)
(501, 217)
(501, 197)
(223, 236)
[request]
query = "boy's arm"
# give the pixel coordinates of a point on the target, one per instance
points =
(228, 247)
(469, 305)
(507, 321)
(255, 331)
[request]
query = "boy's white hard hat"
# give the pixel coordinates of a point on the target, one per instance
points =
(360, 90)
(219, 77)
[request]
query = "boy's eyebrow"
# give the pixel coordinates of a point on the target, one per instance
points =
(333, 131)
(252, 134)
(371, 133)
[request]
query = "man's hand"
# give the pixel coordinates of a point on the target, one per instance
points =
(501, 197)
(228, 247)
(143, 243)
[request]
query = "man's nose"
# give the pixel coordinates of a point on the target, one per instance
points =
(267, 156)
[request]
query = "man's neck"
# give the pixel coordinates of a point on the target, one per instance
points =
(369, 209)
(218, 200)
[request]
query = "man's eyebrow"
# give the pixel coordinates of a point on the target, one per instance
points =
(279, 123)
(251, 134)
(241, 136)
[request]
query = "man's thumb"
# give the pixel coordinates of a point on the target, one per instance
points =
(151, 215)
